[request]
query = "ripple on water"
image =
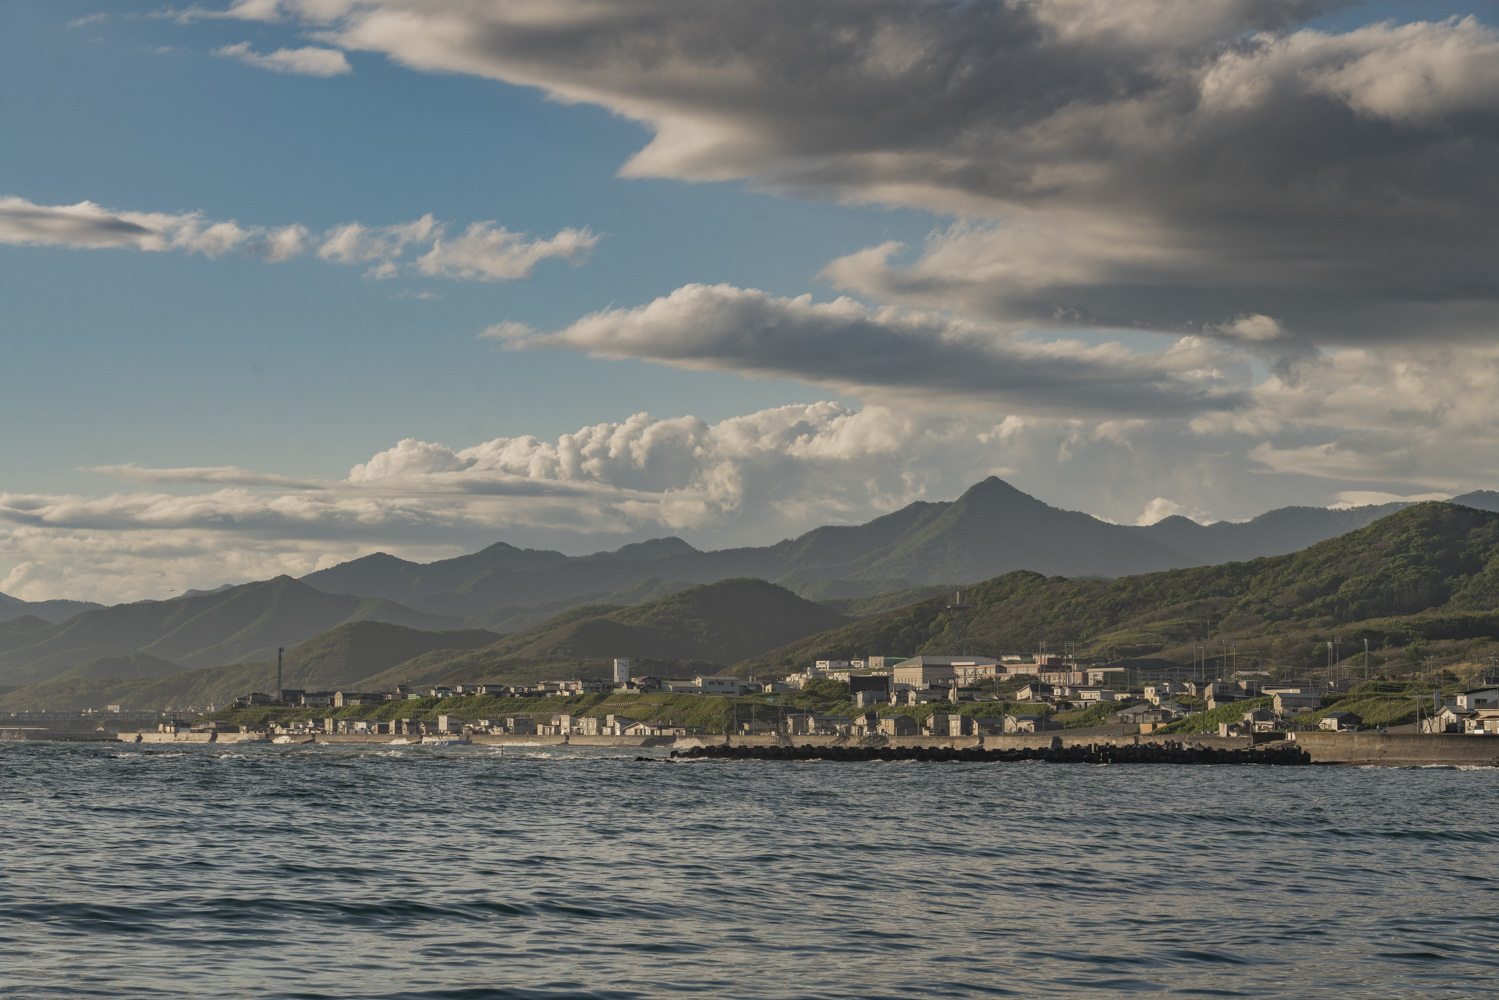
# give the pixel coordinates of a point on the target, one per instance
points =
(477, 872)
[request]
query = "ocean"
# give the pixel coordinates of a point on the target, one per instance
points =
(165, 871)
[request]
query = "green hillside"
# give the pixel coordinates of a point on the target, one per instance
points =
(705, 626)
(237, 625)
(339, 658)
(1426, 574)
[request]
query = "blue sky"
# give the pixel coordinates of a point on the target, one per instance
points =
(304, 368)
(1107, 329)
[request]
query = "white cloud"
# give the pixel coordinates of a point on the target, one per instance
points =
(1365, 498)
(943, 359)
(1161, 508)
(225, 474)
(482, 252)
(486, 253)
(1167, 165)
(307, 61)
(746, 479)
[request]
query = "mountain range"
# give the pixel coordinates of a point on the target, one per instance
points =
(1421, 580)
(704, 627)
(853, 571)
(991, 529)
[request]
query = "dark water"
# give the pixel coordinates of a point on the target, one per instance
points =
(467, 873)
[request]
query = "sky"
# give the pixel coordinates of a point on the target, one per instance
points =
(286, 282)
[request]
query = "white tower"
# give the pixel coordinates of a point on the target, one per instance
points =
(621, 671)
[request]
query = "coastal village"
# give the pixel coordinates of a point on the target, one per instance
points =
(939, 697)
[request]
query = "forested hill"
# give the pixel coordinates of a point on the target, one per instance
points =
(1427, 573)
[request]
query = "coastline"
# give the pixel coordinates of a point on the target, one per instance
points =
(1347, 749)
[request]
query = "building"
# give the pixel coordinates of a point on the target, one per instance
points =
(719, 685)
(922, 672)
(898, 725)
(1036, 691)
(621, 670)
(1339, 722)
(1295, 701)
(949, 724)
(1478, 698)
(1260, 720)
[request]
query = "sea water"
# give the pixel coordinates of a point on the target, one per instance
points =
(167, 871)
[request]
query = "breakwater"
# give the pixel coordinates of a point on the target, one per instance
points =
(1056, 753)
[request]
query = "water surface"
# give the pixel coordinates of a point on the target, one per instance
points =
(476, 872)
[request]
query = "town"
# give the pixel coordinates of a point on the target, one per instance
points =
(880, 697)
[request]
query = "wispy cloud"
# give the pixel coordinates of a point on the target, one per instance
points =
(307, 61)
(228, 475)
(482, 252)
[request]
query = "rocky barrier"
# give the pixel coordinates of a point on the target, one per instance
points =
(1092, 753)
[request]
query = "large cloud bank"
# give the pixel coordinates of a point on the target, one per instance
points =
(1161, 164)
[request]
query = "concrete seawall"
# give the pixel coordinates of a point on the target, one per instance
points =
(1399, 749)
(1388, 749)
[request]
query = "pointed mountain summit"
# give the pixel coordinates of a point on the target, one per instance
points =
(994, 528)
(991, 529)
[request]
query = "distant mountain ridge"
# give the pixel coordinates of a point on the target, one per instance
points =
(708, 626)
(48, 611)
(991, 529)
(237, 625)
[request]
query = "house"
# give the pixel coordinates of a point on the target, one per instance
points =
(719, 685)
(1296, 701)
(989, 726)
(898, 725)
(1340, 722)
(1478, 698)
(1260, 720)
(342, 699)
(948, 724)
(1022, 723)
(1163, 691)
(1092, 696)
(1482, 722)
(521, 725)
(829, 725)
(866, 724)
(639, 729)
(1135, 714)
(1036, 691)
(680, 685)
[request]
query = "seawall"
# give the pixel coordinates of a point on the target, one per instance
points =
(1399, 749)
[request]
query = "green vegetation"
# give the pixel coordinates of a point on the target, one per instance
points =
(1428, 574)
(1208, 722)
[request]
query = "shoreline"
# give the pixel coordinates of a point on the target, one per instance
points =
(1347, 749)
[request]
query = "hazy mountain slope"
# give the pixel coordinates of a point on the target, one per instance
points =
(49, 611)
(991, 529)
(715, 623)
(1424, 573)
(243, 623)
(130, 667)
(336, 659)
(1276, 532)
(512, 618)
(1479, 500)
